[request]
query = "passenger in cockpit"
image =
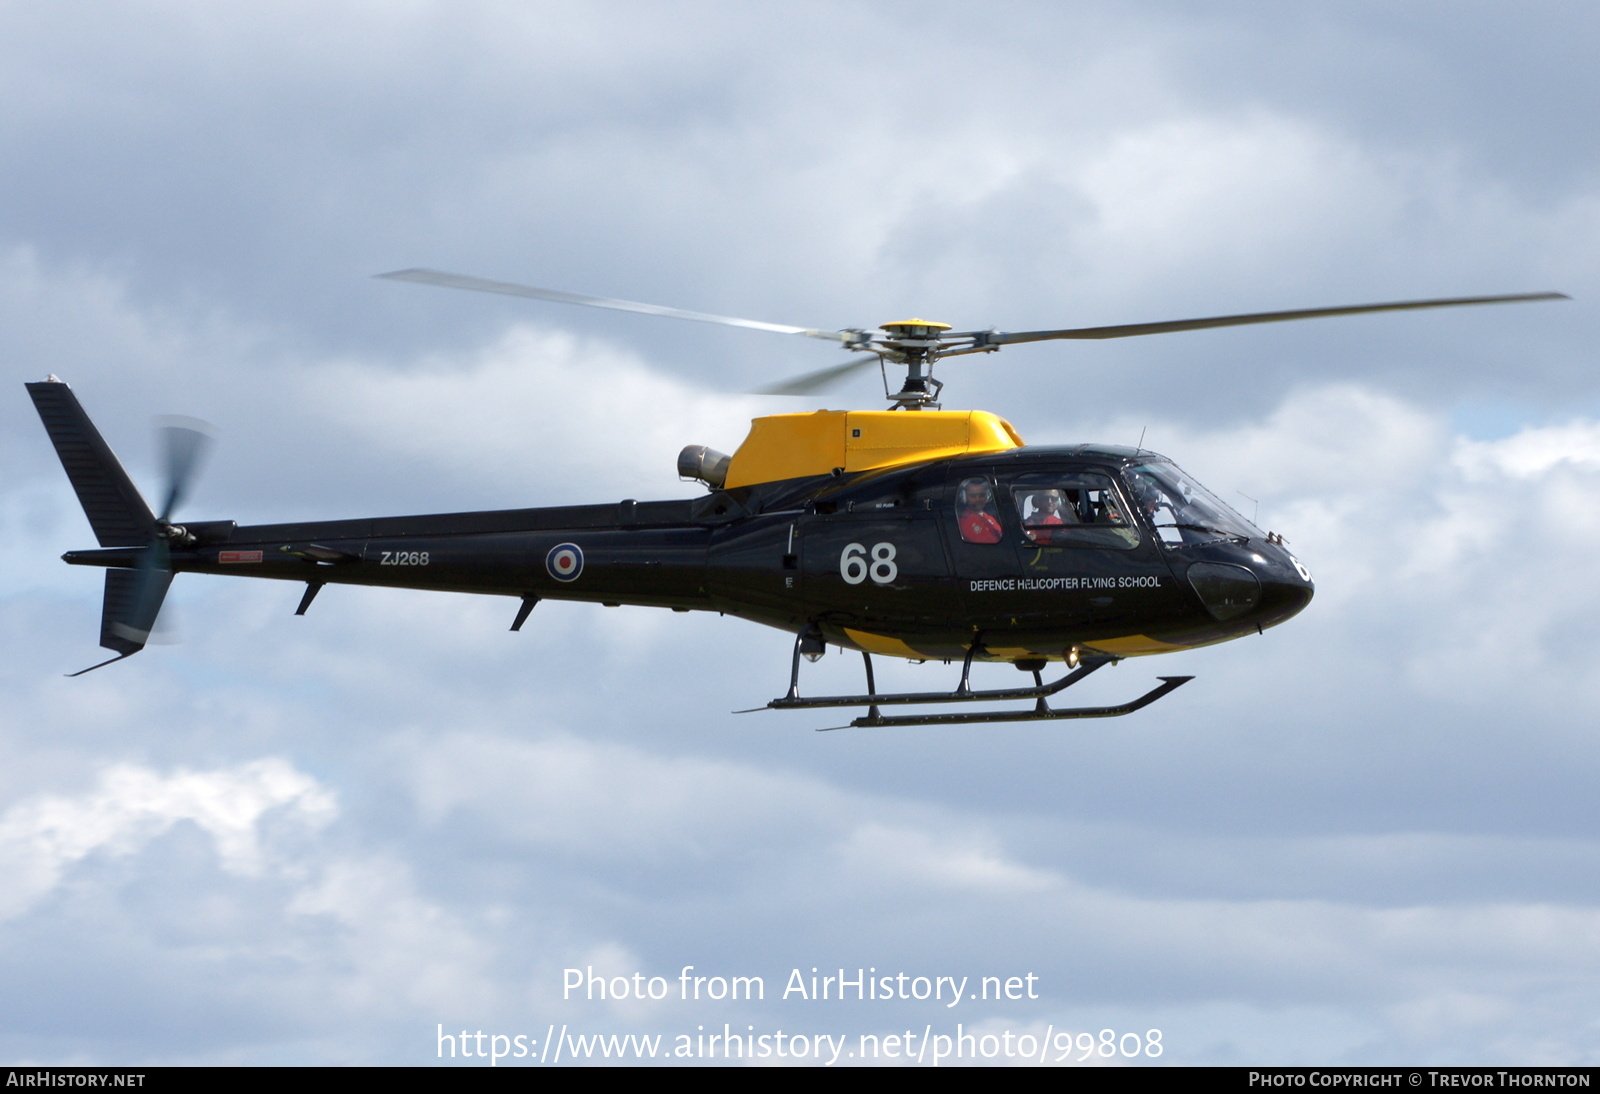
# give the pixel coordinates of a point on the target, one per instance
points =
(1047, 512)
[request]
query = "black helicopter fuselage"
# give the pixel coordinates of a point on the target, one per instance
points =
(878, 561)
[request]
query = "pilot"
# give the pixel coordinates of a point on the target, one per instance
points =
(1148, 496)
(975, 512)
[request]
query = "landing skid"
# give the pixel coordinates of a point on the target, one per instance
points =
(964, 693)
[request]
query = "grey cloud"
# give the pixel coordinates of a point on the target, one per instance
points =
(1362, 837)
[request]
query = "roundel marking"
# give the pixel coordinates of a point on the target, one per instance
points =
(565, 561)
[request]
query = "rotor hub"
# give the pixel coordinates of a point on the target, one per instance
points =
(916, 329)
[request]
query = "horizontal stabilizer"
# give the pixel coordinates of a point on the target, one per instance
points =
(116, 511)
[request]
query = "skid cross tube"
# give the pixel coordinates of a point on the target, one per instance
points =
(872, 687)
(794, 668)
(964, 689)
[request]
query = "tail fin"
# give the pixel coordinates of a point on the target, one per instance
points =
(116, 511)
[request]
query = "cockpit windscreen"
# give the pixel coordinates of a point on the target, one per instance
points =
(1182, 510)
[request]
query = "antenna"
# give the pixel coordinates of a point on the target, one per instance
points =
(1254, 512)
(1140, 449)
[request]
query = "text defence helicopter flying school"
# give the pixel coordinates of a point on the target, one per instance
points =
(914, 532)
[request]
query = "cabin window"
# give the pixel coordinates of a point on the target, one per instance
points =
(976, 513)
(1072, 509)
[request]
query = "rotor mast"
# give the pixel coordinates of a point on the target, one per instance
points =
(914, 343)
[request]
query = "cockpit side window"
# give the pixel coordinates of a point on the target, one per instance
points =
(976, 513)
(1072, 509)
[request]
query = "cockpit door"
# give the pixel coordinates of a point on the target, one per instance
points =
(983, 550)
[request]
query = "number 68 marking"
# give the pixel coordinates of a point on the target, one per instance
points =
(854, 567)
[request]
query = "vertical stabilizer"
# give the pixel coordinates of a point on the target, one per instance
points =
(116, 511)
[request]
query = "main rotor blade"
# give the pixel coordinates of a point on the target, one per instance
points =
(812, 382)
(509, 288)
(1130, 329)
(184, 441)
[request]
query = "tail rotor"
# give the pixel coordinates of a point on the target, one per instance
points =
(133, 598)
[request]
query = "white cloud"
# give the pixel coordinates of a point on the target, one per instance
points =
(42, 838)
(1531, 454)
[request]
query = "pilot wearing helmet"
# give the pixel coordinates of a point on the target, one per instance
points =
(975, 512)
(1147, 494)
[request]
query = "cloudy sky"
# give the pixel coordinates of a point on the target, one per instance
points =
(1367, 837)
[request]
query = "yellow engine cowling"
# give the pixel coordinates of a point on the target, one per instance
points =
(792, 446)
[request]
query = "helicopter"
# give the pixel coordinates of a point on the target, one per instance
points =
(913, 532)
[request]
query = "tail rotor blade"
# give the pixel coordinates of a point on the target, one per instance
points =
(184, 443)
(149, 590)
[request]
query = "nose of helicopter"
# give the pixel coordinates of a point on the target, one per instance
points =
(1286, 586)
(1258, 588)
(1283, 594)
